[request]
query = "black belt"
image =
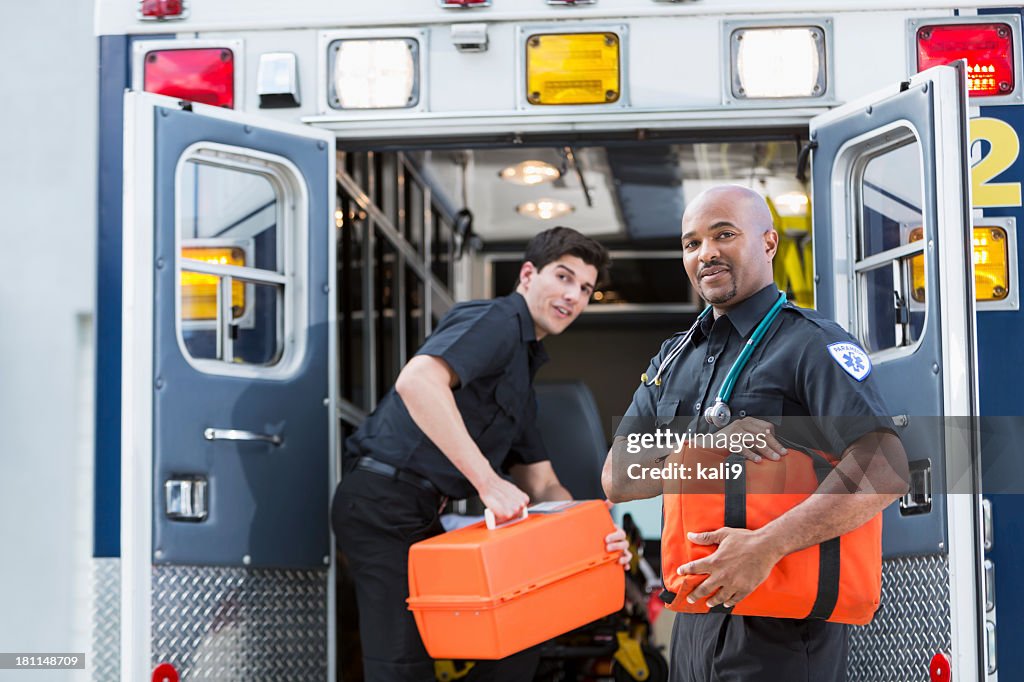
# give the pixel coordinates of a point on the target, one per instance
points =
(384, 469)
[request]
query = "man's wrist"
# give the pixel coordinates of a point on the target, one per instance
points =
(481, 476)
(772, 541)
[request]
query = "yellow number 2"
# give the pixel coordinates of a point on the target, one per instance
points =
(1004, 146)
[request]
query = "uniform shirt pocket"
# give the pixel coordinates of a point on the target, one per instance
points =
(666, 411)
(764, 406)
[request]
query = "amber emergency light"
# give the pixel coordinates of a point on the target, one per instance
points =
(988, 49)
(991, 265)
(199, 291)
(205, 75)
(572, 68)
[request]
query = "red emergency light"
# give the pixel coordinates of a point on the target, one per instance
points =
(988, 49)
(161, 9)
(204, 75)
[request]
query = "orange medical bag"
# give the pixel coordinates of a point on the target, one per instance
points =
(839, 580)
(478, 593)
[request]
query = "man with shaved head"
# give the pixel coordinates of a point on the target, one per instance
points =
(804, 366)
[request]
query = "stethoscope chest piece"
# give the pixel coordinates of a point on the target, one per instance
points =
(719, 414)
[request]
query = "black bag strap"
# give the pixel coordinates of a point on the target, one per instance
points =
(829, 554)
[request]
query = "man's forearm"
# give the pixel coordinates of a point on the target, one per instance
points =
(554, 492)
(431, 404)
(868, 478)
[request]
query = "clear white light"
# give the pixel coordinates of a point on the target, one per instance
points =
(545, 209)
(375, 74)
(530, 173)
(791, 204)
(779, 62)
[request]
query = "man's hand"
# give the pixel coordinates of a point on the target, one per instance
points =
(758, 431)
(742, 561)
(617, 542)
(503, 498)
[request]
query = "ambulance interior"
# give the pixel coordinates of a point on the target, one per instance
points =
(630, 196)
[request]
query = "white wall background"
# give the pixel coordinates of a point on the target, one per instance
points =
(47, 276)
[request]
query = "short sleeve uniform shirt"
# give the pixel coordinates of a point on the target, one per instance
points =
(805, 366)
(492, 347)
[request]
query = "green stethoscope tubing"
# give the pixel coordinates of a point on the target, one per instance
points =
(719, 413)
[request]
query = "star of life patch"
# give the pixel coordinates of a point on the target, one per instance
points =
(851, 358)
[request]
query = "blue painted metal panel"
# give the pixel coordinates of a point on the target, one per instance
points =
(1000, 378)
(920, 397)
(114, 78)
(267, 503)
(113, 54)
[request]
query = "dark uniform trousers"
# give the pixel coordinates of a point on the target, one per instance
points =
(718, 647)
(376, 520)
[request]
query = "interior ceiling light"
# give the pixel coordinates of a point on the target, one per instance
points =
(530, 173)
(545, 209)
(791, 204)
(375, 74)
(778, 62)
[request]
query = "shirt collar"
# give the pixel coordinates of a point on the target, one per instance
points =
(527, 332)
(745, 315)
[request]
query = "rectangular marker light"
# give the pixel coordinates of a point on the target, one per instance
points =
(991, 265)
(572, 68)
(204, 75)
(374, 74)
(778, 62)
(988, 49)
(991, 268)
(199, 291)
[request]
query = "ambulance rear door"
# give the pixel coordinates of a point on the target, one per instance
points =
(893, 264)
(228, 384)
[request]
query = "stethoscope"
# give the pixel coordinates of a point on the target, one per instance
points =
(719, 414)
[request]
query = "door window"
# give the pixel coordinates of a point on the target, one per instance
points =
(891, 280)
(237, 276)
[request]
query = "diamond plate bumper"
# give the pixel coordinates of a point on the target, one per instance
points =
(912, 623)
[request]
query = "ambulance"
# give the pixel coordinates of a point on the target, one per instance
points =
(291, 195)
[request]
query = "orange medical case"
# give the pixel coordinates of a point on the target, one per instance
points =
(485, 594)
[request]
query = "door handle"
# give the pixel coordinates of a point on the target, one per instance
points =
(238, 435)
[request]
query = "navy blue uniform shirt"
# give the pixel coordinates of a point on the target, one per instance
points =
(803, 367)
(493, 348)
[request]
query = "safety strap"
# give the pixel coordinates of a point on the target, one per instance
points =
(735, 504)
(828, 552)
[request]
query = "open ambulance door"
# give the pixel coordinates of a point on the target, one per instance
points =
(228, 384)
(893, 263)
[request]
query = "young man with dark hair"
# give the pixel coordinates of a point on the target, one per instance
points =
(461, 410)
